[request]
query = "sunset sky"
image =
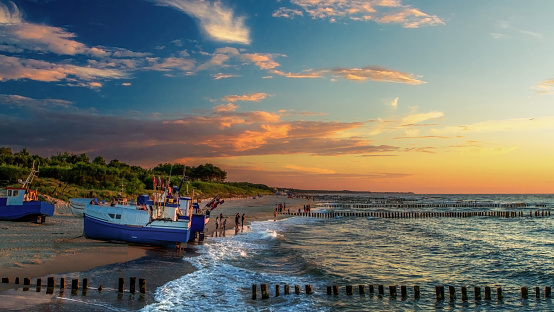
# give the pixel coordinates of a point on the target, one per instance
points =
(426, 96)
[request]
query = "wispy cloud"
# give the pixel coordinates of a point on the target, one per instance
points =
(379, 11)
(216, 20)
(374, 73)
(310, 169)
(516, 124)
(22, 101)
(417, 118)
(252, 97)
(545, 87)
(394, 103)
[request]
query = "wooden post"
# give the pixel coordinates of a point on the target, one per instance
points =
(121, 285)
(309, 289)
(297, 289)
(361, 289)
(254, 286)
(5, 280)
(524, 293)
(416, 292)
(392, 291)
(74, 284)
(381, 290)
(477, 293)
(452, 292)
(142, 285)
(62, 283)
(547, 292)
(287, 289)
(277, 290)
(487, 293)
(26, 281)
(335, 290)
(17, 280)
(132, 284)
(499, 295)
(439, 290)
(51, 282)
(537, 292)
(371, 289)
(85, 283)
(404, 291)
(464, 293)
(39, 282)
(329, 290)
(349, 291)
(265, 291)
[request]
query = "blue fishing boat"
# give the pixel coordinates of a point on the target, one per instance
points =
(162, 220)
(22, 203)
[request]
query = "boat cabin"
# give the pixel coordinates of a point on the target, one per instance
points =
(16, 195)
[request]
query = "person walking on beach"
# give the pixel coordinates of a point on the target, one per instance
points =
(216, 223)
(224, 224)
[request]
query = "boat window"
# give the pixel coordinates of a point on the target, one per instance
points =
(118, 216)
(15, 192)
(111, 215)
(9, 192)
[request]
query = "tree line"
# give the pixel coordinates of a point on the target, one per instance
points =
(99, 174)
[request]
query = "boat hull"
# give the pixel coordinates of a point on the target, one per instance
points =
(25, 212)
(162, 233)
(198, 224)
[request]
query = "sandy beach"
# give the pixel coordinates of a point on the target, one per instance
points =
(58, 247)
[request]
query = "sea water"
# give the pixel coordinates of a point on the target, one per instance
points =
(474, 251)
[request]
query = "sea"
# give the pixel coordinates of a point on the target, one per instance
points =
(477, 251)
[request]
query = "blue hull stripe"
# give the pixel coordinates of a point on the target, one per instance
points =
(28, 209)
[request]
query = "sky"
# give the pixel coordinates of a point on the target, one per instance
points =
(423, 96)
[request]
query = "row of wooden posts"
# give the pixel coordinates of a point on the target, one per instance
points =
(429, 205)
(439, 291)
(51, 284)
(407, 214)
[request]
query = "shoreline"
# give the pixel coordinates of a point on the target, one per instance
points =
(58, 247)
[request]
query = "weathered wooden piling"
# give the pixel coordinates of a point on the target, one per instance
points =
(26, 281)
(287, 289)
(297, 289)
(349, 291)
(392, 291)
(132, 284)
(74, 285)
(524, 292)
(254, 291)
(17, 280)
(404, 291)
(277, 290)
(452, 292)
(265, 291)
(62, 282)
(329, 290)
(142, 285)
(309, 289)
(51, 282)
(417, 293)
(121, 285)
(335, 290)
(537, 292)
(439, 291)
(85, 284)
(464, 293)
(499, 295)
(361, 289)
(381, 290)
(39, 282)
(5, 280)
(547, 292)
(487, 293)
(477, 290)
(371, 289)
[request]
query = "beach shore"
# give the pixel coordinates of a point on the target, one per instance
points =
(58, 246)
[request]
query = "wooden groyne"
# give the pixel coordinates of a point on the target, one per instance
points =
(75, 286)
(429, 205)
(422, 214)
(414, 292)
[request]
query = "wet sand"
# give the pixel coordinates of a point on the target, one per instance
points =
(58, 248)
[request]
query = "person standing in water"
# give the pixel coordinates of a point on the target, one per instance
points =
(242, 222)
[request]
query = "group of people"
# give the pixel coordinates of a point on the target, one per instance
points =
(221, 222)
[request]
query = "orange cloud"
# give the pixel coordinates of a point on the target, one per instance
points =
(252, 97)
(373, 73)
(263, 61)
